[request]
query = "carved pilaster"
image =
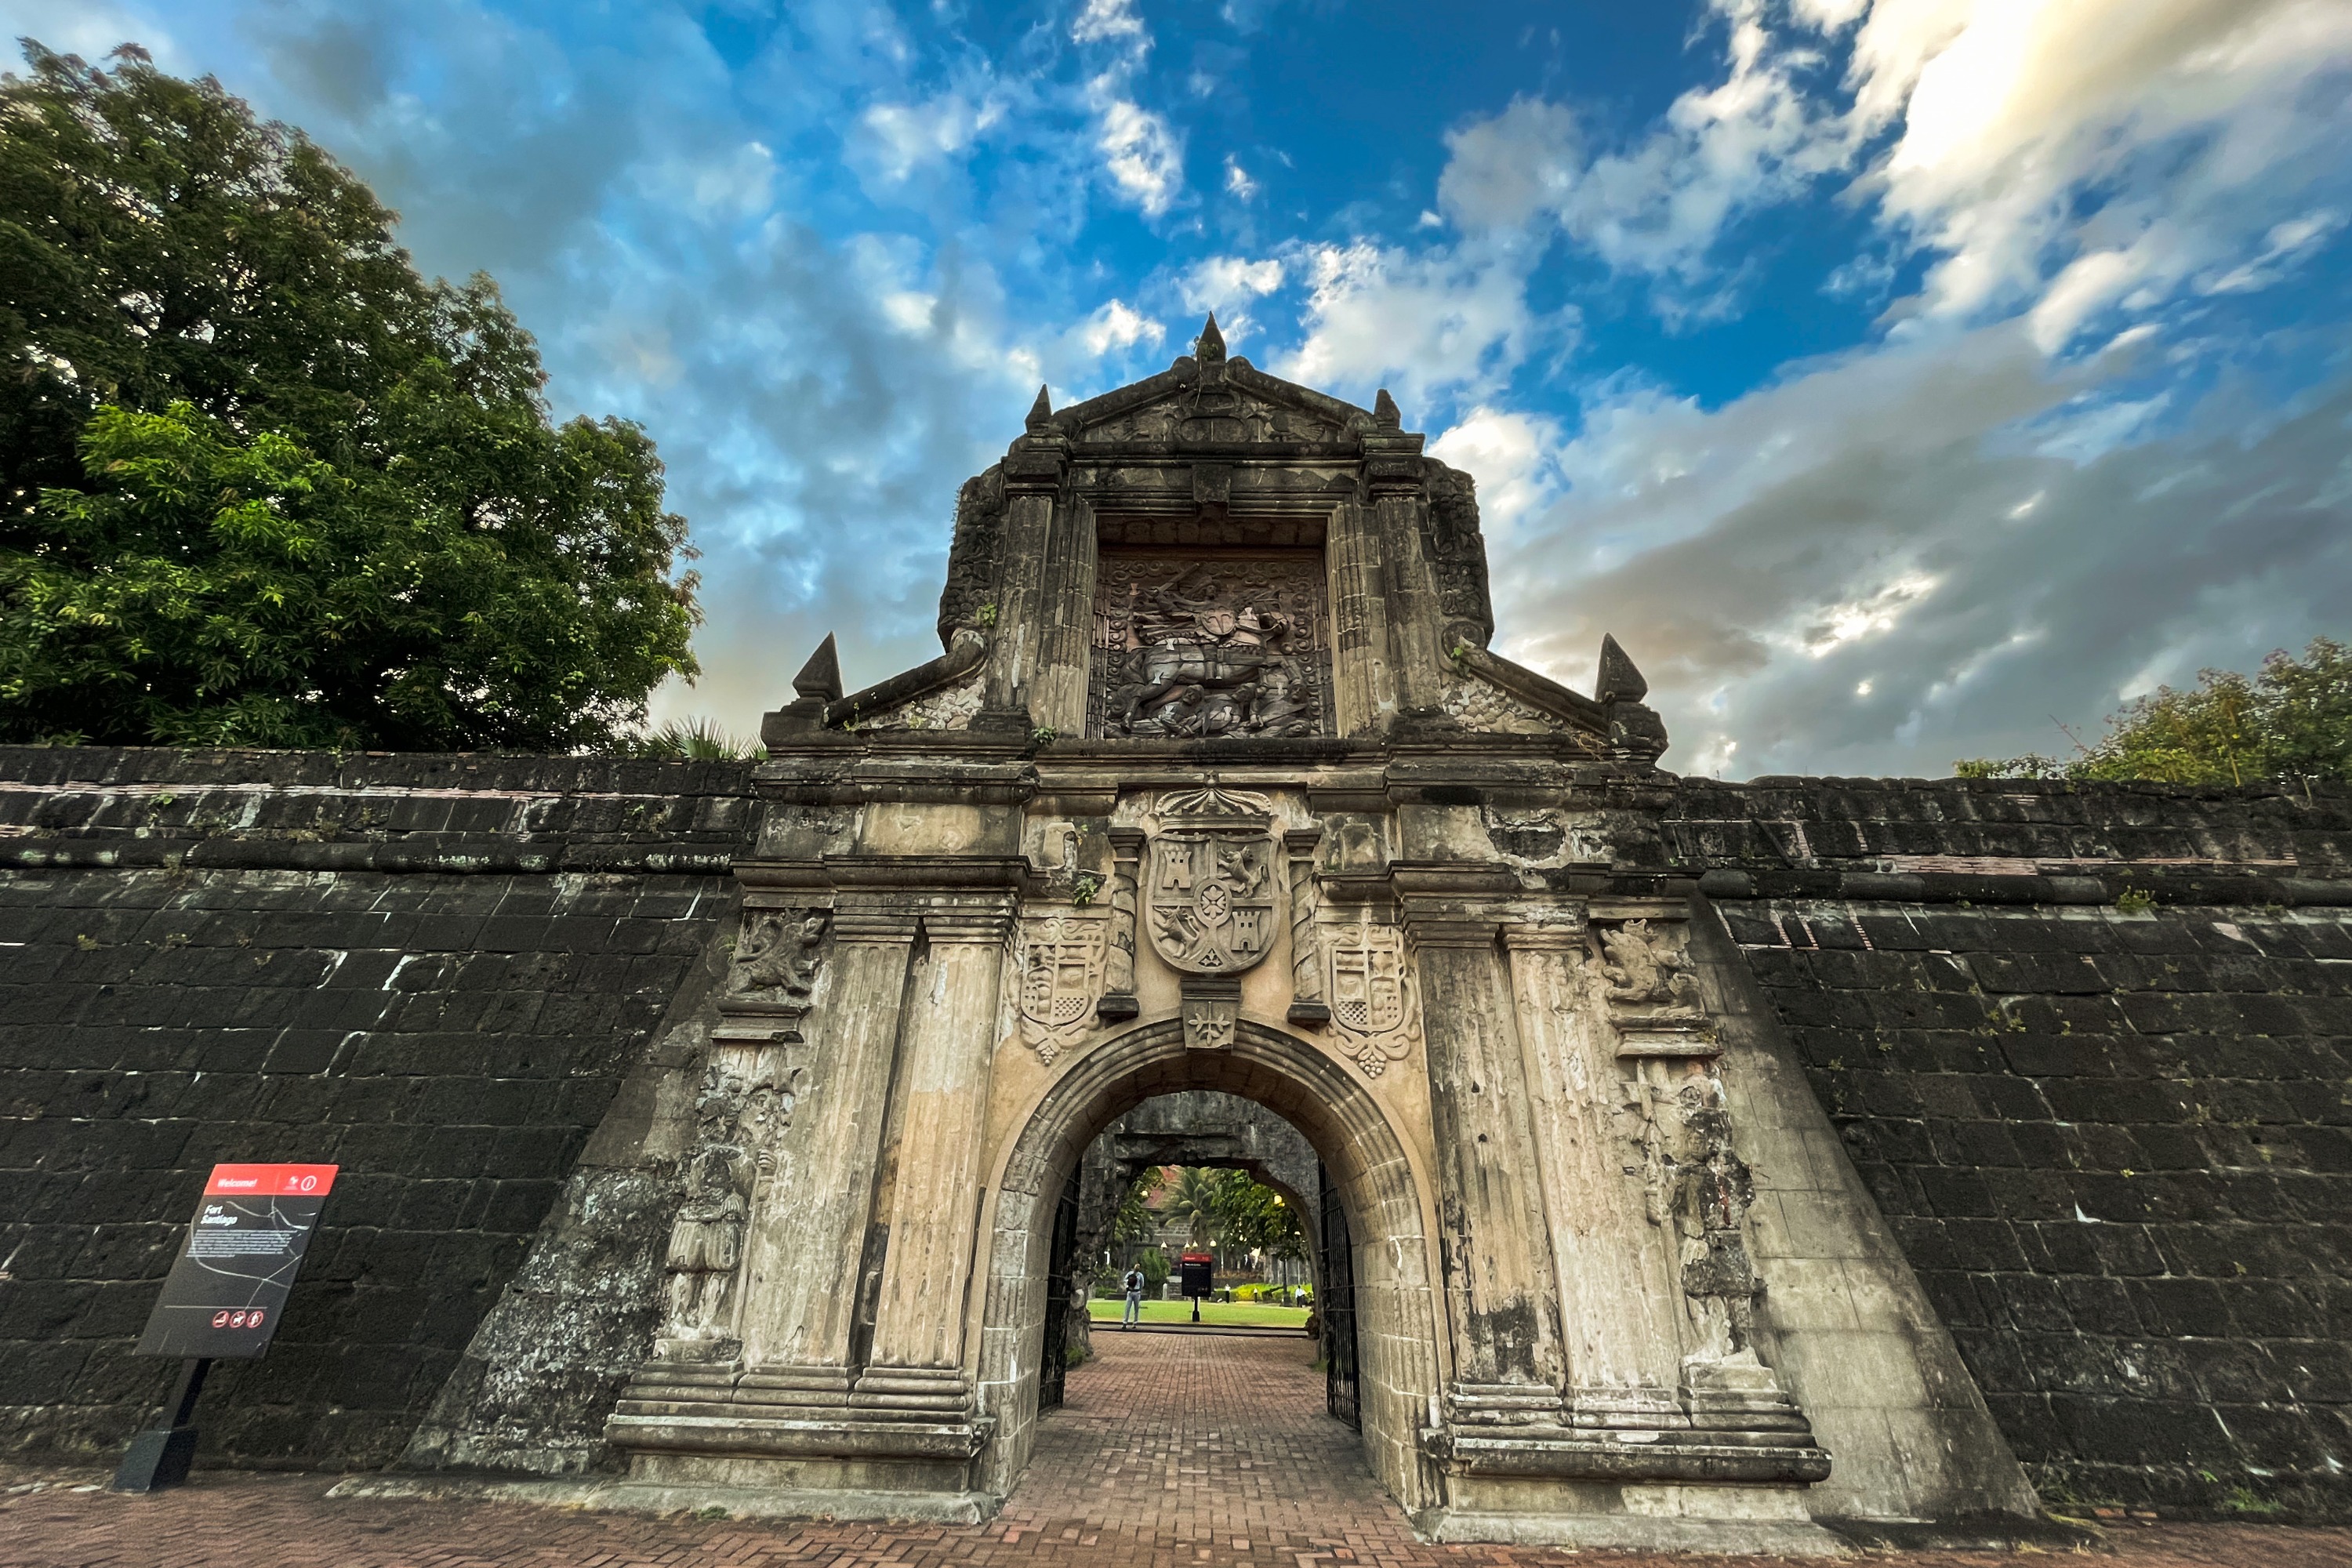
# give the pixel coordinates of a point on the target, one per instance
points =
(1500, 1284)
(1118, 975)
(940, 1117)
(810, 1232)
(1307, 1003)
(1616, 1273)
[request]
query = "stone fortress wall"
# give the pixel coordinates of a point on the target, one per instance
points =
(432, 971)
(2090, 1048)
(2086, 1047)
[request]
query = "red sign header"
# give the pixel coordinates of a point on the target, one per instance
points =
(271, 1181)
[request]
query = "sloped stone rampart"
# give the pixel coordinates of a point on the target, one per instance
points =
(431, 971)
(2091, 1050)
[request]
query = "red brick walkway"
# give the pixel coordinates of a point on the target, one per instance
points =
(1171, 1453)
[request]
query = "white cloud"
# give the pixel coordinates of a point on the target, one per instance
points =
(1227, 283)
(1658, 206)
(2072, 157)
(1440, 319)
(1118, 325)
(1515, 459)
(92, 30)
(1237, 180)
(1869, 521)
(1143, 157)
(2122, 142)
(1103, 20)
(900, 138)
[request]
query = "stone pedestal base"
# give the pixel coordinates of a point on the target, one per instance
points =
(1666, 1490)
(891, 1443)
(1740, 1520)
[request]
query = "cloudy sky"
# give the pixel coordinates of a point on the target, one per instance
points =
(1898, 379)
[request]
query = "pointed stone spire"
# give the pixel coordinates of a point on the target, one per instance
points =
(1619, 681)
(1211, 349)
(820, 679)
(1042, 411)
(1384, 412)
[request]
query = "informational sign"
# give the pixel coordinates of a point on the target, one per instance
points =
(228, 1286)
(1196, 1271)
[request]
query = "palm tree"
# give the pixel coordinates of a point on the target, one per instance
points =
(1194, 1201)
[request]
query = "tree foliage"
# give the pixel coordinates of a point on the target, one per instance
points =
(261, 484)
(2291, 719)
(1232, 1209)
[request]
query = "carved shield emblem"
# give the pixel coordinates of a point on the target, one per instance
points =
(1371, 992)
(1210, 895)
(1061, 978)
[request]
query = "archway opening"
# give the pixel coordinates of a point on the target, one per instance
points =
(1371, 1189)
(1201, 1212)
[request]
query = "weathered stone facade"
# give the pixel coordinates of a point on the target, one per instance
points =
(1244, 804)
(1672, 1123)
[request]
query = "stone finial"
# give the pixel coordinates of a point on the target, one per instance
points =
(1384, 412)
(1619, 681)
(1042, 411)
(1211, 349)
(820, 679)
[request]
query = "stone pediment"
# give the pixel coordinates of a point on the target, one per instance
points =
(1206, 399)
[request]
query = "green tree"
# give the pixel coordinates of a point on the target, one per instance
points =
(2291, 719)
(261, 483)
(1254, 1216)
(1133, 1220)
(1194, 1199)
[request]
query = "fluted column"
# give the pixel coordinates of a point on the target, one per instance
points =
(1617, 1282)
(943, 1077)
(1363, 679)
(1499, 1279)
(810, 1234)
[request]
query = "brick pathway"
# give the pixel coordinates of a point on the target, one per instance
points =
(1172, 1452)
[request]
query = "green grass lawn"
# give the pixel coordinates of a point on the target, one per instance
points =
(1232, 1313)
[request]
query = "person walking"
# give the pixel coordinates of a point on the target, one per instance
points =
(1133, 1284)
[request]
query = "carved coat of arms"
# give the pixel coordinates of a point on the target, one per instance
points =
(1211, 897)
(1371, 992)
(1061, 978)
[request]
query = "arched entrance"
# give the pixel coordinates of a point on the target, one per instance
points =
(1364, 1161)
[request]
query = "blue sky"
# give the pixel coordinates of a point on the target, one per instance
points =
(1898, 379)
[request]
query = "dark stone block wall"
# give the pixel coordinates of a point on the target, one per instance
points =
(2091, 1049)
(431, 971)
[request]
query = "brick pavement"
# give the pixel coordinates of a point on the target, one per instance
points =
(1172, 1452)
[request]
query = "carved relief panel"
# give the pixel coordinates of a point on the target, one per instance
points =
(1062, 959)
(1212, 898)
(1373, 1000)
(1231, 642)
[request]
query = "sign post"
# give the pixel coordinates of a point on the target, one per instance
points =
(224, 1296)
(1199, 1269)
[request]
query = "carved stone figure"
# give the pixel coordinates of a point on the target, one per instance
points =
(706, 1245)
(744, 1100)
(1644, 968)
(776, 961)
(1207, 646)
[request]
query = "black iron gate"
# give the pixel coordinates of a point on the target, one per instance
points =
(1054, 1358)
(1337, 1307)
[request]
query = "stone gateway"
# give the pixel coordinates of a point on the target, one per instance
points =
(1729, 1166)
(1216, 663)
